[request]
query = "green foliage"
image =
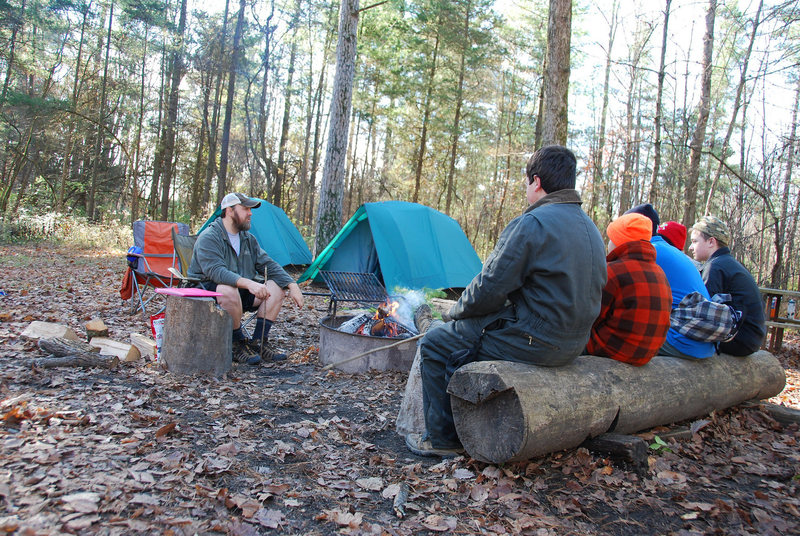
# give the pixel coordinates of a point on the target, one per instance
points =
(76, 231)
(35, 104)
(427, 293)
(659, 445)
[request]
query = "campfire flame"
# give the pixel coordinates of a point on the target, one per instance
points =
(384, 322)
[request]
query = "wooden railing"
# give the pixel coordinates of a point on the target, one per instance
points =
(778, 305)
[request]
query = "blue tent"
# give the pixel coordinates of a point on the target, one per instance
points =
(276, 234)
(407, 244)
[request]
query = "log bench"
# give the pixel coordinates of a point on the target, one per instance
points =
(506, 411)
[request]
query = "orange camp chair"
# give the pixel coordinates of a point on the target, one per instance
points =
(151, 267)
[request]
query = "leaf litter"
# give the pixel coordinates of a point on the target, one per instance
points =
(289, 449)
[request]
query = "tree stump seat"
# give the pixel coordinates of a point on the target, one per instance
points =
(506, 411)
(197, 337)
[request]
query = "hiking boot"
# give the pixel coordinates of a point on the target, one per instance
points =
(423, 447)
(241, 353)
(267, 353)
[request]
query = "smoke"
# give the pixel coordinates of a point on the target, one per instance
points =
(409, 301)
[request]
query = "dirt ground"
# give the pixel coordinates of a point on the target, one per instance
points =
(291, 449)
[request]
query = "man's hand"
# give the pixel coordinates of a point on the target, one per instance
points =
(260, 291)
(293, 291)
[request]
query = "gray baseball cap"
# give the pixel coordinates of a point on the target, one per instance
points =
(235, 198)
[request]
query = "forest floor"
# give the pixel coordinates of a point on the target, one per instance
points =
(291, 449)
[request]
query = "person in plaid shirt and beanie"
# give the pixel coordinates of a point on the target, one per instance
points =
(634, 314)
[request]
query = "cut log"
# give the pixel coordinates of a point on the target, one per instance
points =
(123, 350)
(508, 411)
(146, 345)
(60, 347)
(79, 360)
(442, 306)
(782, 414)
(628, 449)
(197, 337)
(95, 328)
(37, 330)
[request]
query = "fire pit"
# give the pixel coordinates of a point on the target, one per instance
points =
(389, 324)
(335, 346)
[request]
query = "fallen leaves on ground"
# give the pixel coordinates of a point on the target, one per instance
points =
(290, 449)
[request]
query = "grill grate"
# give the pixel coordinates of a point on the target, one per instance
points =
(353, 286)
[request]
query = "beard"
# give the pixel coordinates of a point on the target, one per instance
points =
(241, 223)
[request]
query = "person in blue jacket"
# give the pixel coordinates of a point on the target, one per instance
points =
(683, 279)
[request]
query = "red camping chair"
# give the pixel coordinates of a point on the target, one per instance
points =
(151, 267)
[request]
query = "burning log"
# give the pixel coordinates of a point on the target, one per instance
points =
(384, 323)
(354, 324)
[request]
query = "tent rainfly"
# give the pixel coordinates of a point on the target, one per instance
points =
(405, 244)
(276, 234)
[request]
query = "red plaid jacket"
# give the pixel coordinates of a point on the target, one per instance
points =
(634, 316)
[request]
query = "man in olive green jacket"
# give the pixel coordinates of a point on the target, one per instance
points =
(534, 301)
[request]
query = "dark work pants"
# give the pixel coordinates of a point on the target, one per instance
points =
(736, 348)
(436, 351)
(442, 351)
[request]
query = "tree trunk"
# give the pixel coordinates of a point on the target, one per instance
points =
(260, 152)
(507, 411)
(597, 170)
(211, 165)
(654, 190)
(312, 179)
(352, 148)
(451, 172)
(222, 176)
(101, 119)
(779, 275)
(537, 134)
(197, 175)
(302, 187)
(331, 193)
(628, 162)
(65, 166)
(426, 114)
(138, 143)
(177, 71)
(159, 152)
(287, 107)
(556, 88)
(696, 145)
(736, 103)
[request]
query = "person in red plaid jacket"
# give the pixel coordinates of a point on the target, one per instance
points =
(634, 315)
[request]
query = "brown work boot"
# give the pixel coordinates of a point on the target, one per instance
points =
(267, 353)
(241, 353)
(423, 447)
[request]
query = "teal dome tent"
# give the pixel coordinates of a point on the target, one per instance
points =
(405, 244)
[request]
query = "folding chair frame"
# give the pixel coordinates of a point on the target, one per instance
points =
(142, 272)
(136, 298)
